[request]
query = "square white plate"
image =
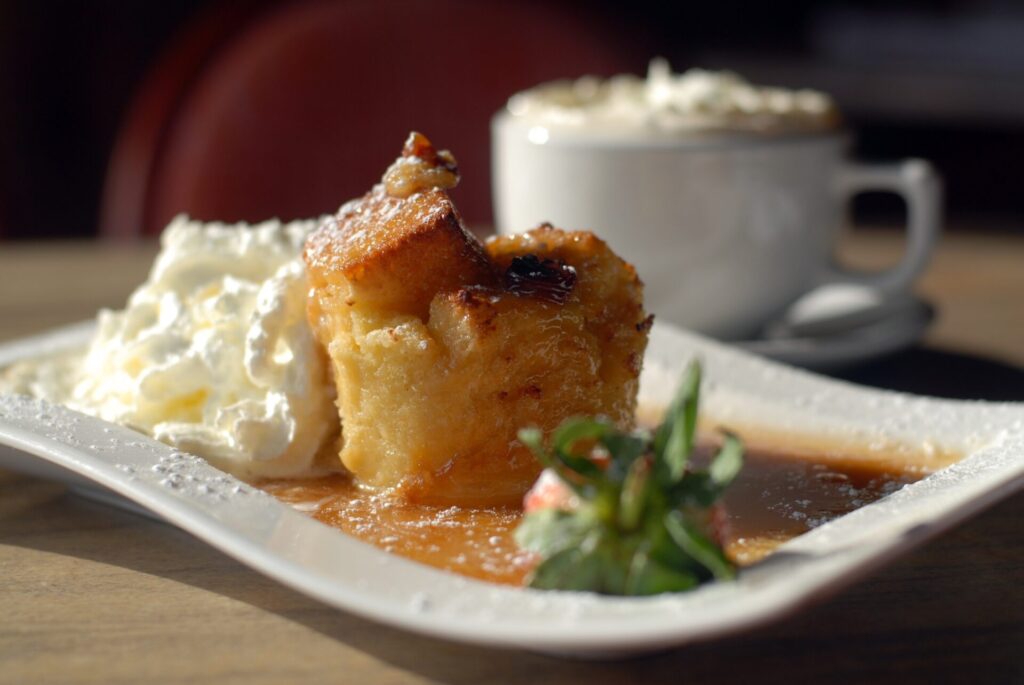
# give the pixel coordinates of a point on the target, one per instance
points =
(740, 390)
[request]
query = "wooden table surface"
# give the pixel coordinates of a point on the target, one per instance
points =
(89, 594)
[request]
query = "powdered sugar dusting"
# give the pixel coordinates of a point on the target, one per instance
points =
(133, 457)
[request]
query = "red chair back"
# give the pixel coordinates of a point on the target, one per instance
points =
(306, 104)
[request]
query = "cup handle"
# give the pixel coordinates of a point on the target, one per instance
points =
(920, 186)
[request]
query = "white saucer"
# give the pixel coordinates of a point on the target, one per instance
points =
(841, 349)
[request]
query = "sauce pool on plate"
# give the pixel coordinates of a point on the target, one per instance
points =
(473, 542)
(775, 498)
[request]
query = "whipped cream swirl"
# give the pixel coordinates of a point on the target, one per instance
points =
(213, 353)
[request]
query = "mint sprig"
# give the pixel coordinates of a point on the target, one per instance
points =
(643, 522)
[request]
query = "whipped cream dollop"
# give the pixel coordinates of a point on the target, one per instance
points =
(213, 353)
(693, 102)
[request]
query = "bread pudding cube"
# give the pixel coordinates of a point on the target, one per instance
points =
(443, 349)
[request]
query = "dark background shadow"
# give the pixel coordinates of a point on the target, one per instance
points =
(940, 373)
(939, 80)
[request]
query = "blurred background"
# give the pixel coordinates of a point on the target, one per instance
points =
(116, 115)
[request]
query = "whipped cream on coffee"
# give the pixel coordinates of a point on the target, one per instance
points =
(697, 101)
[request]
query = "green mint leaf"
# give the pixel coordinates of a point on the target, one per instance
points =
(691, 393)
(572, 431)
(696, 545)
(636, 529)
(547, 531)
(569, 569)
(575, 429)
(633, 497)
(567, 466)
(696, 490)
(649, 577)
(727, 463)
(558, 571)
(676, 436)
(623, 449)
(533, 438)
(614, 571)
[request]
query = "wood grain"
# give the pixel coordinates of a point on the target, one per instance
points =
(93, 595)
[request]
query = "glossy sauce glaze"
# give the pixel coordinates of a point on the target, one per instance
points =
(473, 542)
(775, 498)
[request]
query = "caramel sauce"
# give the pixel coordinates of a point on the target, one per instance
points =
(473, 542)
(775, 498)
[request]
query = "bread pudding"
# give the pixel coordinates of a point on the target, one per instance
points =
(442, 347)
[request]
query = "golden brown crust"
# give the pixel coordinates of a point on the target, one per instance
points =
(608, 290)
(396, 253)
(442, 349)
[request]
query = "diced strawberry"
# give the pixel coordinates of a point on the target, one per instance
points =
(718, 524)
(549, 492)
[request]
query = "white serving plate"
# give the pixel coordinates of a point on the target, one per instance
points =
(741, 389)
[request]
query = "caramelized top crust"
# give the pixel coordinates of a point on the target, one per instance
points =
(376, 225)
(547, 279)
(396, 253)
(606, 286)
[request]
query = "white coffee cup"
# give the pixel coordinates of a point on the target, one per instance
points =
(725, 230)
